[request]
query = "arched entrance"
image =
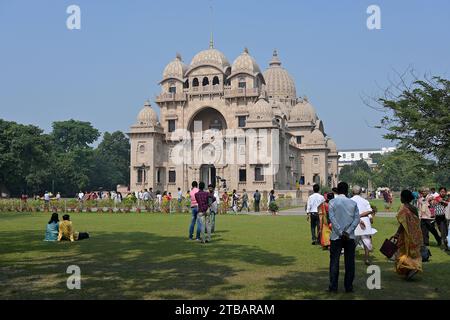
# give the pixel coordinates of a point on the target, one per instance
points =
(209, 149)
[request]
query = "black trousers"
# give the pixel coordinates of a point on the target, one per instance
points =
(315, 224)
(441, 223)
(427, 226)
(349, 258)
(256, 204)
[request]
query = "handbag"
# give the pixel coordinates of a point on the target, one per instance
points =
(389, 248)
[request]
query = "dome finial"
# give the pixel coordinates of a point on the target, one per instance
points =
(178, 56)
(246, 50)
(275, 60)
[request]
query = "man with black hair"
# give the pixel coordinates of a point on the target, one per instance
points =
(440, 204)
(204, 199)
(66, 231)
(312, 210)
(344, 217)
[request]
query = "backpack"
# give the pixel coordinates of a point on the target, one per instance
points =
(425, 253)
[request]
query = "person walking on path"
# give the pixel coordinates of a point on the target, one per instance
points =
(244, 201)
(427, 218)
(194, 211)
(364, 230)
(408, 261)
(312, 211)
(257, 200)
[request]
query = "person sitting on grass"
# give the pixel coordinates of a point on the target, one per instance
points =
(51, 233)
(66, 231)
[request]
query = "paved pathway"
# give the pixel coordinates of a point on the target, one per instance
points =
(302, 212)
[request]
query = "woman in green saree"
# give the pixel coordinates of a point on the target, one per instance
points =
(409, 238)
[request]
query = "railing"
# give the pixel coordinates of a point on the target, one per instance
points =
(163, 97)
(241, 92)
(205, 89)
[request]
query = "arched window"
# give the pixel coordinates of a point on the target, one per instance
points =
(205, 81)
(195, 82)
(242, 83)
(172, 87)
(215, 80)
(186, 84)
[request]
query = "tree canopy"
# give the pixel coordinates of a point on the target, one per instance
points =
(418, 117)
(33, 162)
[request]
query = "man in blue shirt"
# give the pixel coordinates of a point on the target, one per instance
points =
(344, 217)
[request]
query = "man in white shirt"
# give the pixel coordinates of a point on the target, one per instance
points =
(312, 210)
(364, 230)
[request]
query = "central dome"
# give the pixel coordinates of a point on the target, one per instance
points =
(210, 56)
(279, 84)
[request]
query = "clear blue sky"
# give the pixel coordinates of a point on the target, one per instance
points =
(104, 72)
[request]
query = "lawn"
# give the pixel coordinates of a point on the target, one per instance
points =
(148, 256)
(381, 205)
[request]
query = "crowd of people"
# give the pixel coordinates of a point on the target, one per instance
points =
(340, 222)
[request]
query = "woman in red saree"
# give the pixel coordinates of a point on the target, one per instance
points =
(324, 224)
(409, 238)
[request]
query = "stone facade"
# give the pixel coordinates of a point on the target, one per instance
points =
(230, 124)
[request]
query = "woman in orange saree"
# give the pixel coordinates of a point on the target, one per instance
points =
(325, 225)
(409, 238)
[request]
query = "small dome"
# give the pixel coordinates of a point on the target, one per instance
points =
(303, 111)
(261, 110)
(332, 146)
(316, 137)
(210, 56)
(175, 69)
(147, 116)
(279, 84)
(245, 63)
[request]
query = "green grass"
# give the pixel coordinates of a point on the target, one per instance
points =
(381, 205)
(148, 256)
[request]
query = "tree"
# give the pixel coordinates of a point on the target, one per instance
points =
(112, 161)
(24, 157)
(418, 116)
(358, 173)
(73, 157)
(70, 135)
(403, 169)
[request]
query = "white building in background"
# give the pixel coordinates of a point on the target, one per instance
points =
(209, 98)
(348, 156)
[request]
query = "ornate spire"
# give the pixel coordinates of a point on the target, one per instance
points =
(246, 50)
(211, 41)
(275, 60)
(178, 56)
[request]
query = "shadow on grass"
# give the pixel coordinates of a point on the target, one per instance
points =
(433, 283)
(123, 265)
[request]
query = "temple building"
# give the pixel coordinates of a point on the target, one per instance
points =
(231, 125)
